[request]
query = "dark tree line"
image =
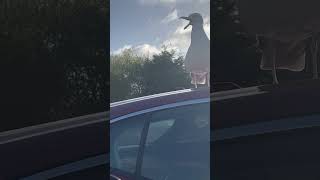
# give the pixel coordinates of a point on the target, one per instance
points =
(134, 76)
(235, 57)
(53, 60)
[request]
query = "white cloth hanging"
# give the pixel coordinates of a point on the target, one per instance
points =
(287, 23)
(289, 55)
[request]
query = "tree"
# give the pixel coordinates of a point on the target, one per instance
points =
(164, 73)
(125, 75)
(234, 56)
(53, 60)
(135, 76)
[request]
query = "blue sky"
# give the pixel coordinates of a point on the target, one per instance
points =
(146, 25)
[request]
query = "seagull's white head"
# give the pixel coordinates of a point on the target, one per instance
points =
(194, 19)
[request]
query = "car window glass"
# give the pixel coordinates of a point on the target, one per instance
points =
(158, 128)
(182, 149)
(125, 138)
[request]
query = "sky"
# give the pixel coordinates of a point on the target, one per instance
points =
(148, 25)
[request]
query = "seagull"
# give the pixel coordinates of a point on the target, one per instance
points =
(197, 61)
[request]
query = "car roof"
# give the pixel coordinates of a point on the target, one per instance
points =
(257, 95)
(125, 107)
(141, 103)
(137, 104)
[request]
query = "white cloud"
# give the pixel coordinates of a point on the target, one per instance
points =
(206, 25)
(120, 50)
(204, 1)
(179, 40)
(173, 15)
(170, 2)
(145, 50)
(154, 2)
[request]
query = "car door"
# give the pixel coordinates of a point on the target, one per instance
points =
(137, 141)
(177, 144)
(283, 148)
(95, 167)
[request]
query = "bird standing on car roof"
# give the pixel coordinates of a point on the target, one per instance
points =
(197, 61)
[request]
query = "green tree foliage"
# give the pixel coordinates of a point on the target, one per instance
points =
(125, 75)
(234, 56)
(134, 76)
(53, 60)
(164, 73)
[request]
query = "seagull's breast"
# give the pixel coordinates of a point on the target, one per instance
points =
(198, 55)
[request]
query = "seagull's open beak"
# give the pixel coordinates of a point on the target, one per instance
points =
(186, 18)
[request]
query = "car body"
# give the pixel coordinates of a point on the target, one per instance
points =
(268, 134)
(157, 119)
(72, 148)
(249, 129)
(268, 131)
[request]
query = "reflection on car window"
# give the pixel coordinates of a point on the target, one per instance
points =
(180, 147)
(158, 128)
(124, 143)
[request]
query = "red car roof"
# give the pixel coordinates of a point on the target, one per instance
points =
(239, 106)
(133, 105)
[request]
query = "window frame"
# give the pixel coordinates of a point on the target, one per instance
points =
(266, 127)
(143, 131)
(102, 159)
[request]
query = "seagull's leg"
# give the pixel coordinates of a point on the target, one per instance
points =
(195, 81)
(274, 55)
(315, 57)
(194, 78)
(208, 79)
